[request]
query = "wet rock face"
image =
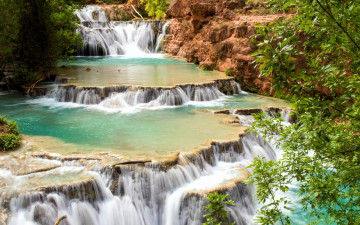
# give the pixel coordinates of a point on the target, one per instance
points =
(240, 194)
(42, 214)
(38, 91)
(247, 112)
(214, 35)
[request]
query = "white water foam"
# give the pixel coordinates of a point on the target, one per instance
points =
(147, 195)
(118, 106)
(103, 37)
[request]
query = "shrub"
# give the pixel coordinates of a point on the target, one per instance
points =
(13, 127)
(3, 120)
(217, 214)
(229, 72)
(11, 138)
(156, 8)
(9, 141)
(254, 43)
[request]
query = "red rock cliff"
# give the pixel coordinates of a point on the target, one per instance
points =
(216, 34)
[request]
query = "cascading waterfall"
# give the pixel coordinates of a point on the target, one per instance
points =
(171, 193)
(103, 37)
(133, 97)
(146, 194)
(153, 96)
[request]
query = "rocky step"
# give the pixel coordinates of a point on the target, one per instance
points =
(173, 95)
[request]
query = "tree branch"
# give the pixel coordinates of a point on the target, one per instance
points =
(137, 12)
(60, 219)
(341, 27)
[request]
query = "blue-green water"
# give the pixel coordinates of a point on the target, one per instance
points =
(156, 70)
(161, 131)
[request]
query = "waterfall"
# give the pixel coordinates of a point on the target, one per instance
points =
(150, 194)
(127, 97)
(103, 37)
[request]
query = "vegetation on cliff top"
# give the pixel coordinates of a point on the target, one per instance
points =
(156, 8)
(9, 135)
(313, 60)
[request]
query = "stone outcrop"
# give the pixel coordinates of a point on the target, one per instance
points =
(248, 111)
(217, 35)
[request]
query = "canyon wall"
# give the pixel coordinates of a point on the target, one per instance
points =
(217, 34)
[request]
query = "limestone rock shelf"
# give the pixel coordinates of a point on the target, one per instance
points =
(172, 95)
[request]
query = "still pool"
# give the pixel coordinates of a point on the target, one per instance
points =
(148, 132)
(155, 70)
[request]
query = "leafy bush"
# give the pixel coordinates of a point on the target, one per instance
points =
(9, 141)
(312, 59)
(13, 127)
(156, 8)
(217, 214)
(11, 138)
(3, 120)
(229, 72)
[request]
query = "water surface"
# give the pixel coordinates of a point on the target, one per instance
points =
(154, 70)
(149, 132)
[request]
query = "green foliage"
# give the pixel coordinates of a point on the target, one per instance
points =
(253, 43)
(3, 120)
(9, 134)
(13, 127)
(8, 31)
(270, 181)
(9, 141)
(64, 20)
(217, 214)
(206, 68)
(34, 34)
(313, 60)
(156, 8)
(245, 86)
(229, 72)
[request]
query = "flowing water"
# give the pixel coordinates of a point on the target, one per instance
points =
(130, 138)
(103, 37)
(143, 133)
(131, 84)
(142, 195)
(132, 194)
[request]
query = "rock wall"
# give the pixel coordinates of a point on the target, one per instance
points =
(216, 34)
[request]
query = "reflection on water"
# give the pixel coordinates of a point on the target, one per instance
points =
(156, 70)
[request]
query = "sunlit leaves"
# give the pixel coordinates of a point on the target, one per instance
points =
(313, 61)
(156, 8)
(217, 214)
